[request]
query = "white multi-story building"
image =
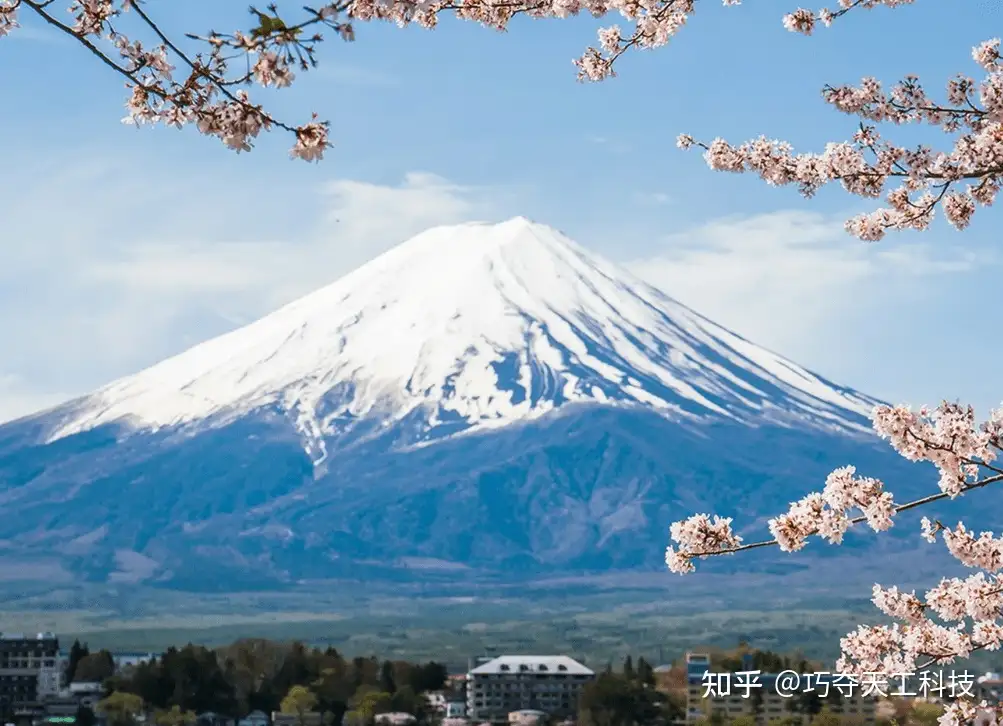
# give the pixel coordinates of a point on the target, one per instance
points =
(548, 683)
(29, 672)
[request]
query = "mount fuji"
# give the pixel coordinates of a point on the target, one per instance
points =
(484, 398)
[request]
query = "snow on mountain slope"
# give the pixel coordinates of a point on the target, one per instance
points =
(471, 327)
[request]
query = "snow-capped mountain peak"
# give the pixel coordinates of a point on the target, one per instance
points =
(468, 327)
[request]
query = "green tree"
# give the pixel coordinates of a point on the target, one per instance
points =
(369, 701)
(925, 714)
(85, 717)
(809, 703)
(173, 717)
(77, 652)
(196, 681)
(387, 682)
(744, 721)
(715, 718)
(299, 701)
(825, 717)
(422, 678)
(405, 700)
(120, 708)
(614, 700)
(94, 668)
(427, 677)
(645, 673)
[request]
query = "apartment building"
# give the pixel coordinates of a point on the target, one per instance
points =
(732, 699)
(510, 683)
(30, 671)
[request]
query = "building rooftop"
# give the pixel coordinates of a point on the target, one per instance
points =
(532, 664)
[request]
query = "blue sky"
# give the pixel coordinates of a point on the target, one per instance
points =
(124, 246)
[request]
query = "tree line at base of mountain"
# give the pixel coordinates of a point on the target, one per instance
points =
(292, 678)
(255, 675)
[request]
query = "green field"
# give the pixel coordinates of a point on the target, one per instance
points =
(597, 627)
(597, 619)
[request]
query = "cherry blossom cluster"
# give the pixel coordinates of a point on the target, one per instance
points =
(953, 619)
(969, 608)
(700, 536)
(946, 436)
(804, 21)
(825, 513)
(965, 712)
(984, 552)
(203, 95)
(8, 16)
(973, 114)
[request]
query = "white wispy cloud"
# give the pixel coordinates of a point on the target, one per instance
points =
(132, 270)
(791, 280)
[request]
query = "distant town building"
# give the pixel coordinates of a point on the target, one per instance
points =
(211, 718)
(254, 718)
(30, 670)
(310, 718)
(547, 683)
(395, 718)
(989, 687)
(696, 665)
(764, 703)
(527, 717)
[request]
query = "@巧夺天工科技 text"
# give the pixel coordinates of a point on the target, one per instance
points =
(790, 683)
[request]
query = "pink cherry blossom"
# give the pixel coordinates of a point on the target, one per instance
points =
(202, 94)
(699, 536)
(8, 16)
(958, 180)
(955, 617)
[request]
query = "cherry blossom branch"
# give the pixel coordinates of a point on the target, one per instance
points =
(948, 437)
(277, 46)
(864, 165)
(969, 609)
(156, 96)
(725, 549)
